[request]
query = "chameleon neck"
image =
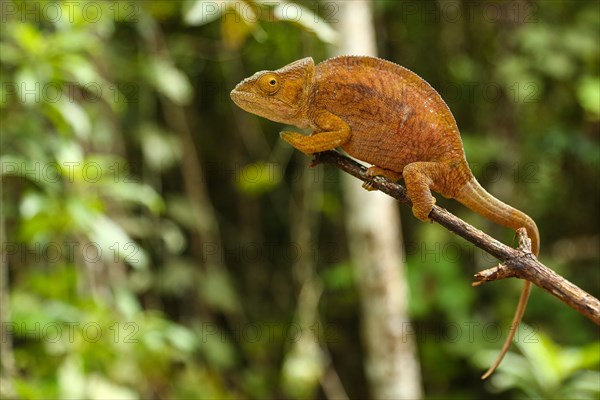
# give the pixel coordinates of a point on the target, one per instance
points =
(475, 197)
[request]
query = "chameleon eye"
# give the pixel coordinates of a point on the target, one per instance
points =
(269, 83)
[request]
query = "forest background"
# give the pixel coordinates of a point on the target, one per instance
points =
(159, 242)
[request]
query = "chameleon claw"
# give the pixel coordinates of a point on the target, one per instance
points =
(368, 185)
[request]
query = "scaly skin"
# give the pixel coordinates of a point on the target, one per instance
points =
(387, 116)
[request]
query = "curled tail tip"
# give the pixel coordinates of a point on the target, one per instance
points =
(493, 368)
(490, 371)
(513, 328)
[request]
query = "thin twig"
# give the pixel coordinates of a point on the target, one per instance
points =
(520, 263)
(501, 271)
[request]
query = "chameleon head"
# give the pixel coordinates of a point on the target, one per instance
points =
(279, 95)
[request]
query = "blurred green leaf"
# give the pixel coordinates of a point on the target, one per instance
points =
(81, 71)
(75, 384)
(217, 289)
(169, 81)
(28, 37)
(29, 86)
(215, 345)
(235, 30)
(115, 243)
(258, 178)
(204, 11)
(295, 13)
(161, 149)
(303, 368)
(75, 116)
(340, 276)
(588, 94)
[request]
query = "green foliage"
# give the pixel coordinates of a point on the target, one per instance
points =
(238, 20)
(545, 370)
(90, 349)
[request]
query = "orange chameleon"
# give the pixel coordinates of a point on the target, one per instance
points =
(387, 116)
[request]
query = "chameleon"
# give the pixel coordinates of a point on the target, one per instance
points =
(387, 116)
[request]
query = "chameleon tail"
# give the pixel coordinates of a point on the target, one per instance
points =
(479, 200)
(475, 197)
(513, 328)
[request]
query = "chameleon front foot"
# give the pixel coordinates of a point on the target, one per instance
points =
(378, 171)
(318, 141)
(368, 185)
(298, 141)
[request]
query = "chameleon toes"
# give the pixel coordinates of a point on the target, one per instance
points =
(421, 214)
(368, 185)
(290, 137)
(297, 140)
(389, 174)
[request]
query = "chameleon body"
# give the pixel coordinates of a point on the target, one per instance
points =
(385, 115)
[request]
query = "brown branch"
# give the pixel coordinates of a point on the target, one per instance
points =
(519, 263)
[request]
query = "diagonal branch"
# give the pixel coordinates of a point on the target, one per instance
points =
(520, 262)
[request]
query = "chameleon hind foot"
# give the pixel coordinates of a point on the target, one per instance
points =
(417, 177)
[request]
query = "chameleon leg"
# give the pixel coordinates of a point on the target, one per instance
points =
(378, 171)
(330, 132)
(317, 142)
(419, 179)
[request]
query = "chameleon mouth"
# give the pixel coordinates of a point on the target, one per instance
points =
(253, 102)
(240, 97)
(250, 102)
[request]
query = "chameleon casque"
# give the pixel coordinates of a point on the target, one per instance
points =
(385, 115)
